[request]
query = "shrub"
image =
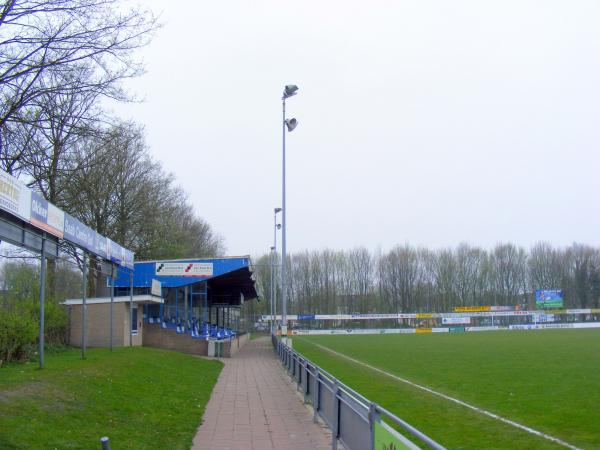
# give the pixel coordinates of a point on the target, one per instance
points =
(18, 334)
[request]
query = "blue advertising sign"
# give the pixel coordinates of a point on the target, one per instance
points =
(84, 236)
(74, 231)
(549, 298)
(306, 316)
(116, 252)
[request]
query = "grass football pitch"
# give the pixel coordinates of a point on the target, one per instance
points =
(547, 380)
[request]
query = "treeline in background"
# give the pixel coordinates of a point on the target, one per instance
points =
(63, 64)
(409, 279)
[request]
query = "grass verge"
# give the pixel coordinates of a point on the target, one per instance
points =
(139, 397)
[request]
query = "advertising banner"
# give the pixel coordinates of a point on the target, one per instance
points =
(79, 233)
(374, 316)
(184, 269)
(490, 328)
(101, 247)
(128, 258)
(306, 316)
(549, 298)
(503, 308)
(472, 308)
(15, 197)
(542, 318)
(46, 216)
(20, 201)
(71, 229)
(116, 252)
(386, 437)
(156, 288)
(456, 329)
(456, 320)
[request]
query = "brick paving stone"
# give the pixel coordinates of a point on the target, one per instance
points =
(256, 406)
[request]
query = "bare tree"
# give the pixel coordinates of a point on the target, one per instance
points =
(508, 274)
(42, 37)
(133, 201)
(469, 274)
(546, 269)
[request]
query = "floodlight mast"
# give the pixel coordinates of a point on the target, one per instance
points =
(289, 91)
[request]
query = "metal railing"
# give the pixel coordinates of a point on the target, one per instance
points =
(355, 421)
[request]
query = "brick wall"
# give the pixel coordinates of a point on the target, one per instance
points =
(98, 325)
(155, 336)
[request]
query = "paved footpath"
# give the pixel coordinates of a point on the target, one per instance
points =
(254, 405)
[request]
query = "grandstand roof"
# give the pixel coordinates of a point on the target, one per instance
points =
(219, 272)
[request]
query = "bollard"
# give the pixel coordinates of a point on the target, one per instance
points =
(105, 444)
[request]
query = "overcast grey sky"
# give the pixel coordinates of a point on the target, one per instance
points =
(427, 122)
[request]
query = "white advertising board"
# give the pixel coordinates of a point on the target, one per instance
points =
(15, 197)
(456, 320)
(184, 269)
(156, 288)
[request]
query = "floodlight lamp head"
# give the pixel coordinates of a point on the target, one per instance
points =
(277, 210)
(289, 91)
(279, 226)
(291, 124)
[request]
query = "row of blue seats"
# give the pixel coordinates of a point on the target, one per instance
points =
(198, 330)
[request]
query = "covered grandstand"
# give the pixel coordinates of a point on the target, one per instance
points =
(201, 300)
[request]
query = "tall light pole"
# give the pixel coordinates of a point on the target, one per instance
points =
(289, 124)
(276, 226)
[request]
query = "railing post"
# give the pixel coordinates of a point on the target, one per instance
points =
(316, 395)
(335, 432)
(306, 381)
(372, 419)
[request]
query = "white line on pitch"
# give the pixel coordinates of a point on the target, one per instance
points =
(452, 399)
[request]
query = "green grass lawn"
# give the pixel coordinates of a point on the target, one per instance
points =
(139, 397)
(548, 380)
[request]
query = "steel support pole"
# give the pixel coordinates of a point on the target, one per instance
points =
(84, 307)
(283, 236)
(42, 300)
(131, 309)
(272, 285)
(274, 268)
(112, 299)
(185, 309)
